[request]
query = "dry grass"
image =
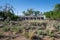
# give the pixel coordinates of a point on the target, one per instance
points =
(24, 24)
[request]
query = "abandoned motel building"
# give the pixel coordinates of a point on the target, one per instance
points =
(30, 17)
(33, 17)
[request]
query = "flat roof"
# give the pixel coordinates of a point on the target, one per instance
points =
(33, 16)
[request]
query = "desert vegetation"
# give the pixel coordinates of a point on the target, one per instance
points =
(13, 29)
(43, 31)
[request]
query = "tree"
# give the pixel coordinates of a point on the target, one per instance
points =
(54, 14)
(25, 13)
(31, 12)
(7, 12)
(37, 13)
(57, 7)
(28, 12)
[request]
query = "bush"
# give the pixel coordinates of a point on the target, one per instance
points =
(50, 33)
(6, 29)
(36, 38)
(15, 29)
(20, 31)
(58, 27)
(33, 27)
(40, 32)
(26, 34)
(1, 35)
(1, 25)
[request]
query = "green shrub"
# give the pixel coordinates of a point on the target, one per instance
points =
(40, 32)
(1, 33)
(6, 29)
(50, 33)
(58, 27)
(26, 34)
(36, 38)
(33, 27)
(18, 29)
(15, 29)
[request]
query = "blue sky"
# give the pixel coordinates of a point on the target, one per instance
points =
(22, 5)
